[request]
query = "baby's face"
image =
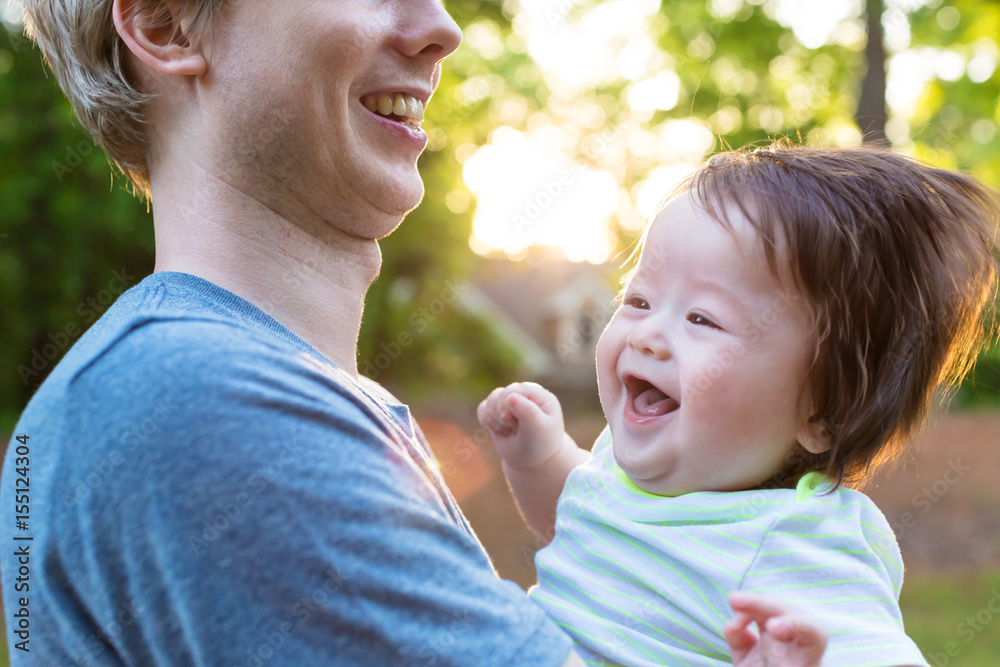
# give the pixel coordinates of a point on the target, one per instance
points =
(701, 369)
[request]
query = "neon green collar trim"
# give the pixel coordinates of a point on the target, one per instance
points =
(630, 485)
(806, 488)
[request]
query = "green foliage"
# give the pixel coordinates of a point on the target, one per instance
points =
(744, 89)
(64, 226)
(956, 125)
(982, 388)
(937, 609)
(956, 122)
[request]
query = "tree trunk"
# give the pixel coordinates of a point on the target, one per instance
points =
(871, 113)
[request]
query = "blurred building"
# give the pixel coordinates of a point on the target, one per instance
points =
(552, 311)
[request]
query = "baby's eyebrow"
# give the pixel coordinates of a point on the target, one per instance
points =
(722, 292)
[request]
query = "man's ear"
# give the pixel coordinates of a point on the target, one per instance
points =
(813, 436)
(159, 35)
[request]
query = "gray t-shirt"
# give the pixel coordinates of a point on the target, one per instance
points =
(207, 489)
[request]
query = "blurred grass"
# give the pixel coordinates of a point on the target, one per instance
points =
(935, 605)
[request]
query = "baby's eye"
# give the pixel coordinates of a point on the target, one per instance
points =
(635, 301)
(700, 320)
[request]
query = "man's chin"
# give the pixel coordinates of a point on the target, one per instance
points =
(388, 230)
(396, 211)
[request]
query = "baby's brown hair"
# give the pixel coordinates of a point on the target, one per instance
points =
(898, 262)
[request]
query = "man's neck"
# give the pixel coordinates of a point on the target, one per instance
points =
(309, 275)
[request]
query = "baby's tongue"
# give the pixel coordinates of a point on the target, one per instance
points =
(653, 402)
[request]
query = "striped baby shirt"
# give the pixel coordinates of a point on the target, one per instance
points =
(638, 579)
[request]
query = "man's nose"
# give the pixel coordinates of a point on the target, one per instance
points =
(429, 31)
(649, 337)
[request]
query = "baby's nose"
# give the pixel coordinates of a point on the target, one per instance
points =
(650, 338)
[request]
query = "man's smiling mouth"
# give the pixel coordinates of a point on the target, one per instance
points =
(647, 400)
(399, 107)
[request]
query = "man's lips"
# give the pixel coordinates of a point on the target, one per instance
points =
(645, 401)
(402, 128)
(401, 102)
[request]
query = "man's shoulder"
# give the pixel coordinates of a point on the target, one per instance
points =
(181, 329)
(186, 397)
(204, 362)
(177, 339)
(169, 318)
(182, 362)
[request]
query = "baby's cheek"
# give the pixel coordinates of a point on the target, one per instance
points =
(717, 405)
(608, 388)
(607, 361)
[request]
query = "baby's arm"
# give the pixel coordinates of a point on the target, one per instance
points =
(526, 423)
(785, 639)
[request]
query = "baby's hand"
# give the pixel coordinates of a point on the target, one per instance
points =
(526, 423)
(786, 639)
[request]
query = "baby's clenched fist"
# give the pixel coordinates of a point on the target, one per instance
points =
(526, 423)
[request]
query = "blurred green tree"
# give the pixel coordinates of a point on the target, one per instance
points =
(955, 120)
(871, 114)
(71, 236)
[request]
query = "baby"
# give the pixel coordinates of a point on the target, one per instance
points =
(790, 317)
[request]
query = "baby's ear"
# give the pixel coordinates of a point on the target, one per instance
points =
(813, 436)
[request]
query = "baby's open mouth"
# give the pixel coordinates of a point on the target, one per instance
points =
(399, 107)
(648, 400)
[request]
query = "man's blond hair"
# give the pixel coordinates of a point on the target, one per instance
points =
(82, 47)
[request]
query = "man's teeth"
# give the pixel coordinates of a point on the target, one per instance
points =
(408, 108)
